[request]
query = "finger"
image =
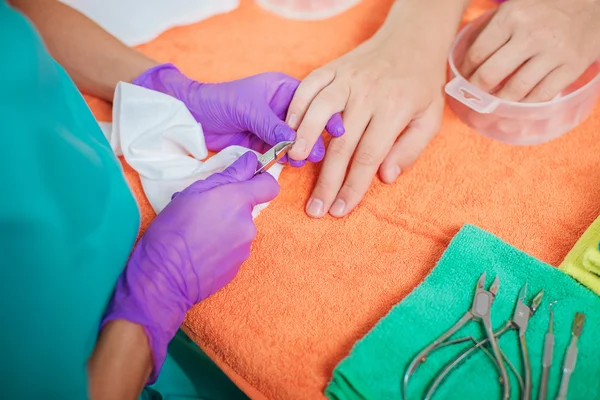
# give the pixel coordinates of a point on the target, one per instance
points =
(305, 93)
(370, 153)
(411, 144)
(554, 83)
(240, 170)
(492, 37)
(294, 163)
(335, 125)
(318, 151)
(329, 101)
(526, 78)
(260, 189)
(500, 65)
(338, 156)
(271, 129)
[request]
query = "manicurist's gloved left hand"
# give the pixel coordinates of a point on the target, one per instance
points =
(248, 112)
(194, 247)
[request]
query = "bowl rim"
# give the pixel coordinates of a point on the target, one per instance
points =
(454, 70)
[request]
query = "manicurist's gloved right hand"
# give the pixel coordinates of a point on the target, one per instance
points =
(194, 247)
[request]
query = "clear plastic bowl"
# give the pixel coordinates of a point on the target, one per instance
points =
(512, 122)
(307, 9)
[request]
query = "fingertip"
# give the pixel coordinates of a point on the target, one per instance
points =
(282, 133)
(243, 168)
(296, 163)
(315, 208)
(335, 125)
(264, 188)
(318, 151)
(389, 173)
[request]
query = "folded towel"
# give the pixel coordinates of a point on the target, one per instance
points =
(376, 364)
(583, 261)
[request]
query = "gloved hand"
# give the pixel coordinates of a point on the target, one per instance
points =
(194, 247)
(248, 112)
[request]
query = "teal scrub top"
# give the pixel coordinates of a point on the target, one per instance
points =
(68, 222)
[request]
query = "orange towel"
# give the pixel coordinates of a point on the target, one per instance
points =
(314, 287)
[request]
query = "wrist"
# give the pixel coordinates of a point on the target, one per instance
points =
(164, 78)
(426, 26)
(120, 363)
(147, 300)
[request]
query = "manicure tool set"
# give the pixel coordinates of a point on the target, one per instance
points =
(480, 312)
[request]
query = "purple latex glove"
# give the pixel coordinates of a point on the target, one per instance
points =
(249, 112)
(194, 247)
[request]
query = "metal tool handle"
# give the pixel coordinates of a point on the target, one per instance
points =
(568, 367)
(526, 395)
(496, 350)
(477, 345)
(419, 358)
(546, 363)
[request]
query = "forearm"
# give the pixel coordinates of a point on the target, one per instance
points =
(94, 59)
(121, 362)
(431, 23)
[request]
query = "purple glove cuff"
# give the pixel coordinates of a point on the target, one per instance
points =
(154, 78)
(160, 317)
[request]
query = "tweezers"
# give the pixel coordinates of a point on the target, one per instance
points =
(273, 155)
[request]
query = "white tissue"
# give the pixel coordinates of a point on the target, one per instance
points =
(161, 140)
(139, 21)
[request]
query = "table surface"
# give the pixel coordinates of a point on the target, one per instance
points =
(282, 325)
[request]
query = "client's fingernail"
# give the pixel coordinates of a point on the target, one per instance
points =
(292, 120)
(339, 130)
(338, 207)
(314, 208)
(299, 146)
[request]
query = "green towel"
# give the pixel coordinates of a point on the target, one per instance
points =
(376, 364)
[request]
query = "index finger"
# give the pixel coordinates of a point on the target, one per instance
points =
(331, 100)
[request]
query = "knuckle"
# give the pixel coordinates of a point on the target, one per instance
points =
(323, 188)
(476, 55)
(367, 157)
(518, 85)
(545, 93)
(340, 147)
(320, 76)
(352, 190)
(518, 15)
(486, 78)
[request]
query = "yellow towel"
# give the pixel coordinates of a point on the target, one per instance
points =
(583, 261)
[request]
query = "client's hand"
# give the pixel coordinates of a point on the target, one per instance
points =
(248, 112)
(533, 49)
(194, 247)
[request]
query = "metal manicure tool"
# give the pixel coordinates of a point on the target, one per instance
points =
(519, 323)
(570, 356)
(480, 312)
(547, 355)
(273, 155)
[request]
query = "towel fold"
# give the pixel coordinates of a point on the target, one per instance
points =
(376, 364)
(583, 261)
